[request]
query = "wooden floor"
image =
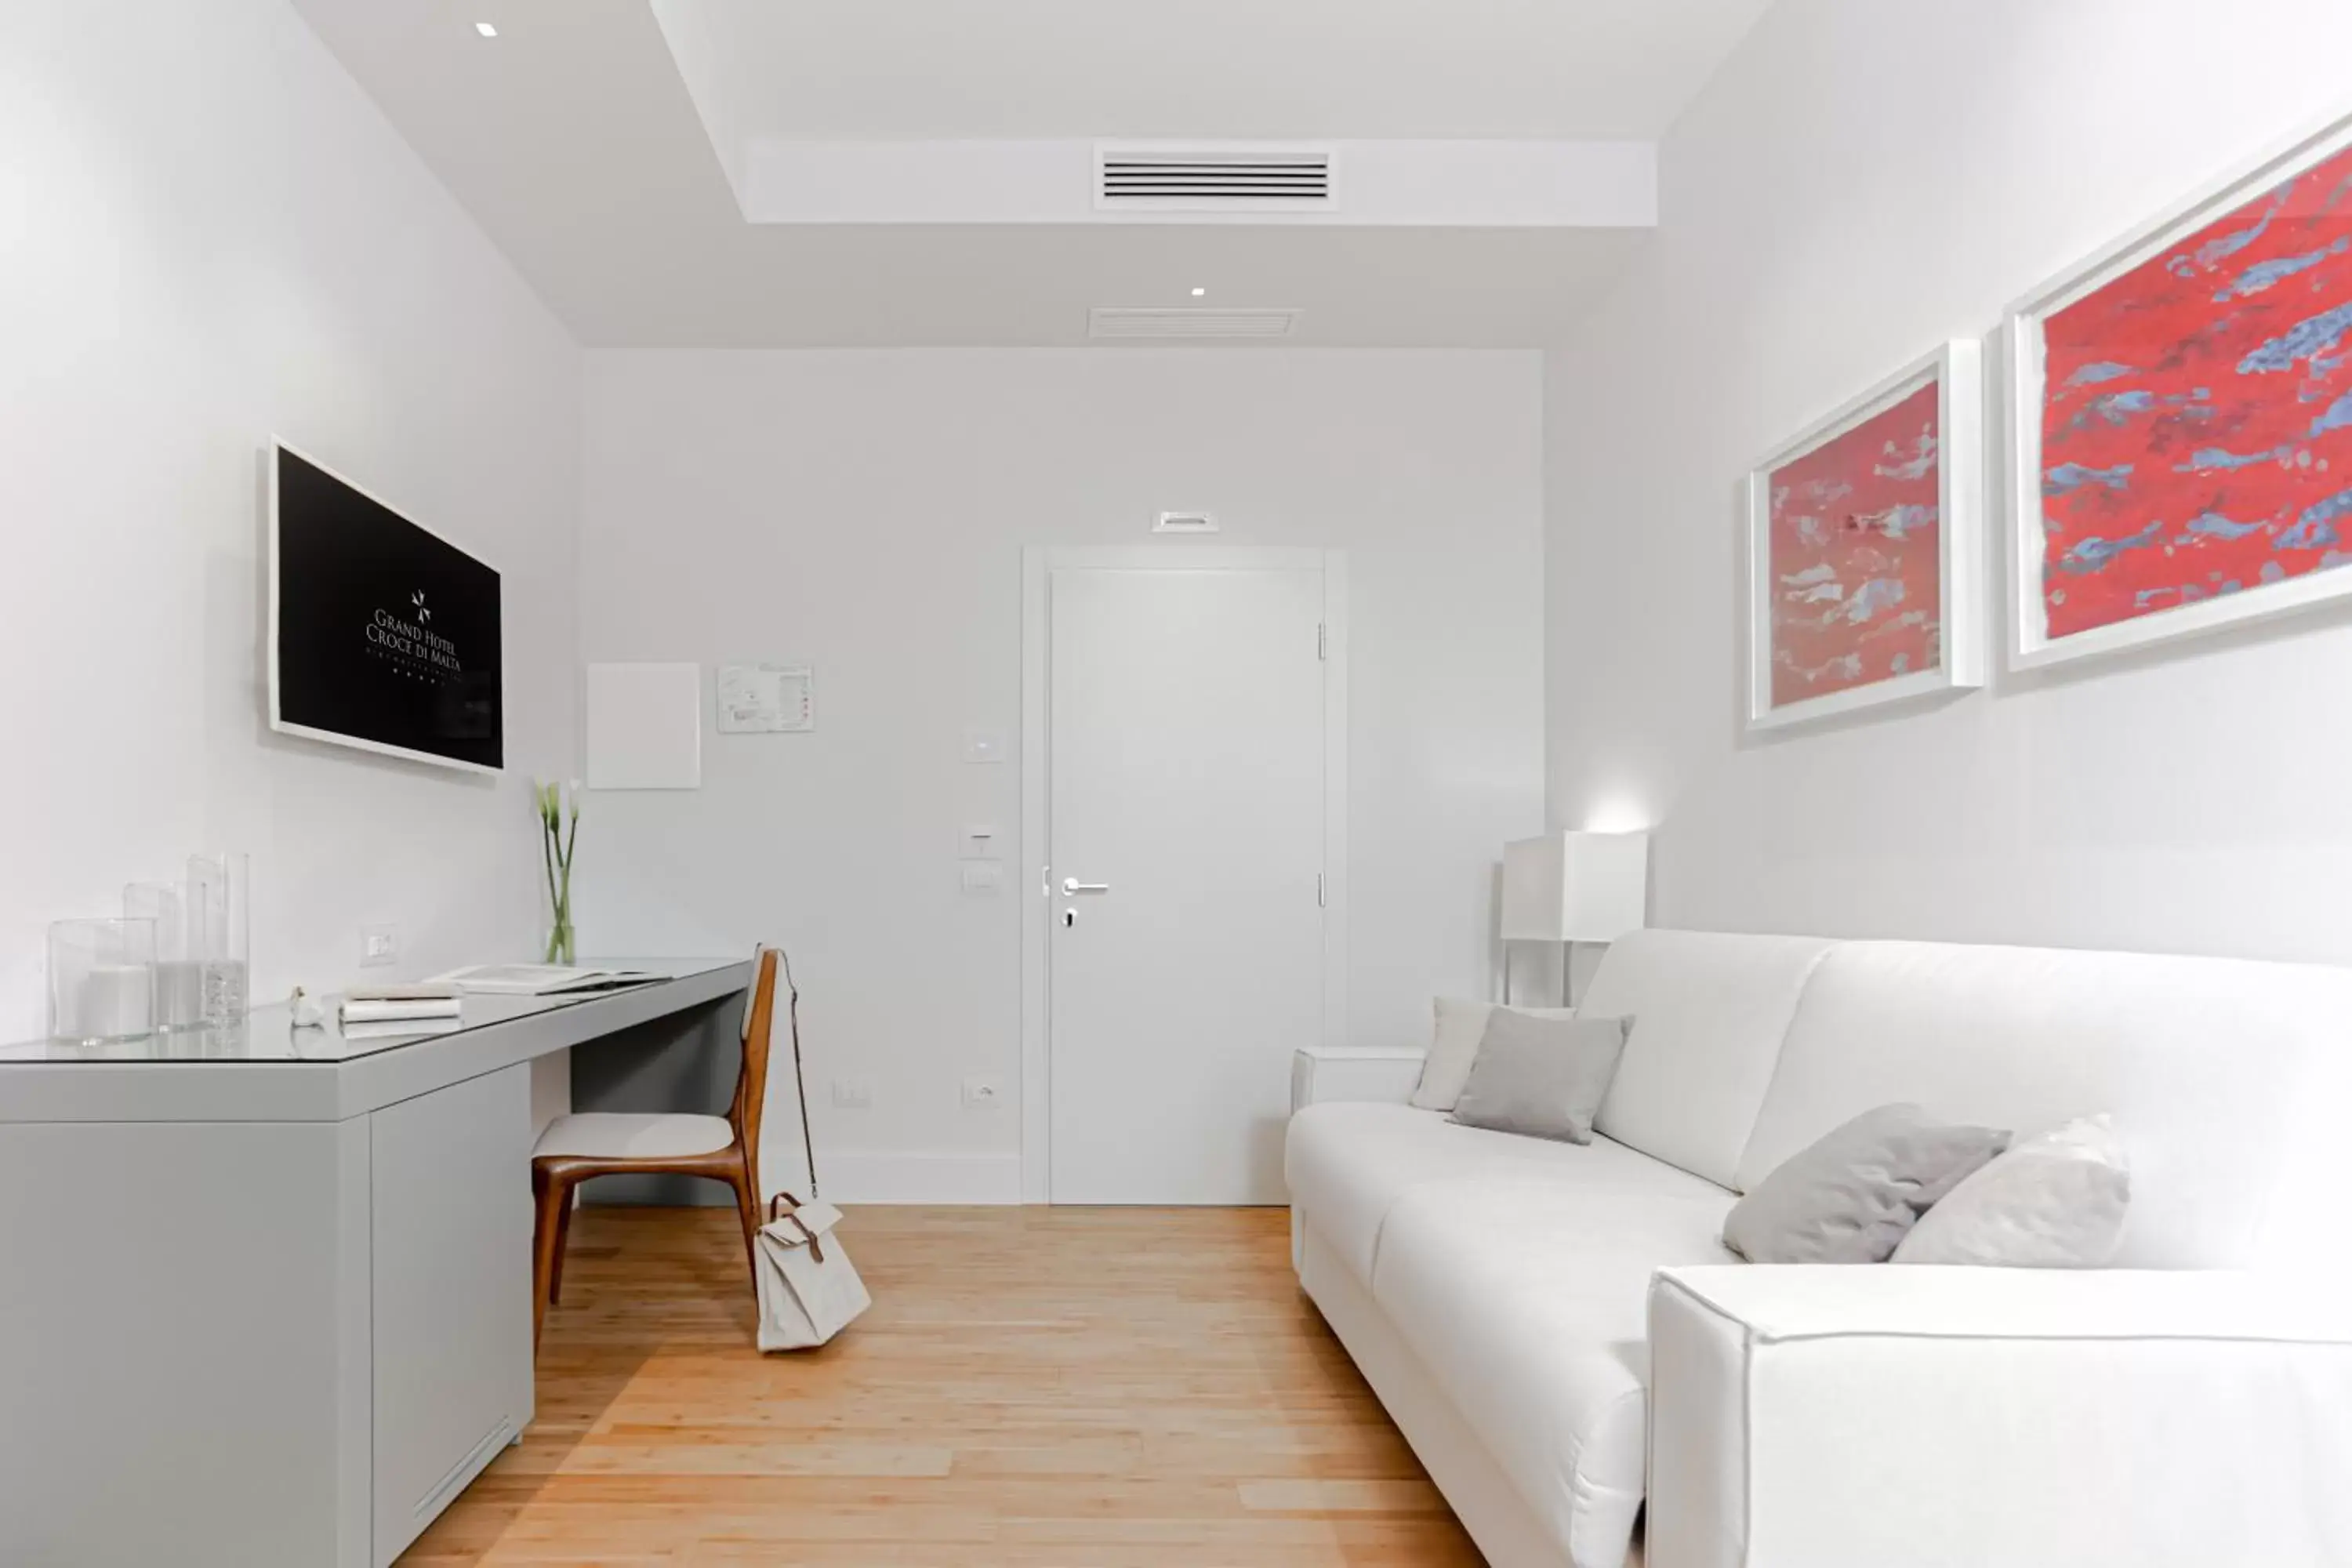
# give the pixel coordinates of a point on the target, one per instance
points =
(1079, 1388)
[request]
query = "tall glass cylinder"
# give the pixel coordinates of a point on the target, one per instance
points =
(179, 969)
(220, 927)
(101, 979)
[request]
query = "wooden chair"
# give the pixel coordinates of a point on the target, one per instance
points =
(581, 1147)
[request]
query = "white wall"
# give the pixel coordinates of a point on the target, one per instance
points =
(1861, 181)
(208, 234)
(865, 513)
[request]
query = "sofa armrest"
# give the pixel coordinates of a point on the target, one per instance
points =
(1322, 1073)
(1846, 1417)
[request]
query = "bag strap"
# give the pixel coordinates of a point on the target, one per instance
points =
(800, 1079)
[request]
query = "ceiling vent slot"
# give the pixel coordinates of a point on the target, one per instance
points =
(1223, 180)
(1160, 325)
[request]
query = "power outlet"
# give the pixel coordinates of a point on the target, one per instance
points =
(853, 1094)
(982, 1093)
(379, 945)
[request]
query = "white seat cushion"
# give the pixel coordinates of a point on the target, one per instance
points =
(2226, 1078)
(1349, 1162)
(1709, 1012)
(625, 1135)
(1527, 1303)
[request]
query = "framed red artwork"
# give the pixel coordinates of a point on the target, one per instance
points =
(2180, 431)
(1862, 550)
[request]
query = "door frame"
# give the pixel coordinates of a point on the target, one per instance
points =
(1038, 562)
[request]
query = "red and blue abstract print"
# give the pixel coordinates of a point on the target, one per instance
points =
(2197, 415)
(1855, 561)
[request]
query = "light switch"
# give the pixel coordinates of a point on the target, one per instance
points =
(983, 745)
(982, 876)
(980, 842)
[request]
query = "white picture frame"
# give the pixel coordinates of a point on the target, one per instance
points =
(2029, 645)
(1955, 368)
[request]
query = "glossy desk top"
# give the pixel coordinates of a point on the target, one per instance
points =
(267, 1069)
(269, 1033)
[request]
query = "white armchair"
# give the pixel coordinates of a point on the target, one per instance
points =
(1828, 1417)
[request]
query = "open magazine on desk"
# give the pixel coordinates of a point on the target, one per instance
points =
(542, 979)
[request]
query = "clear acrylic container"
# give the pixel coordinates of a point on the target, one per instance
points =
(220, 933)
(101, 979)
(179, 972)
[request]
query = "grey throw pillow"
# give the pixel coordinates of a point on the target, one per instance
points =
(1541, 1077)
(1852, 1197)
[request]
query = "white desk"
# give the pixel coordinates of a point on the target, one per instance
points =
(265, 1294)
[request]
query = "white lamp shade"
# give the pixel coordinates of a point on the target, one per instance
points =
(1576, 886)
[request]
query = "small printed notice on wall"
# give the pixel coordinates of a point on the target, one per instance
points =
(766, 699)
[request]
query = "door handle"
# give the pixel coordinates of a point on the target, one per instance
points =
(1072, 886)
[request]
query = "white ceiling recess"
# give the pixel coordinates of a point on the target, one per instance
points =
(612, 150)
(1240, 70)
(1366, 185)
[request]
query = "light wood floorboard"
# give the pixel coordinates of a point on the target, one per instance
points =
(1034, 1387)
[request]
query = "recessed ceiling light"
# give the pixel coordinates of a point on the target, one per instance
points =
(1198, 292)
(486, 29)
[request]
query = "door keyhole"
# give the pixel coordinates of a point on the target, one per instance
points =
(1069, 918)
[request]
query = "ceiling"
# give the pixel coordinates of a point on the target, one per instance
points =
(575, 141)
(1363, 68)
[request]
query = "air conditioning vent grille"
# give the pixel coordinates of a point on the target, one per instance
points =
(1162, 324)
(1237, 180)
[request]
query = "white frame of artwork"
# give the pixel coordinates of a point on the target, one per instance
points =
(1956, 368)
(2029, 644)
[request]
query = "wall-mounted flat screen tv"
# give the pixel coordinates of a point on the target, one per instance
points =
(382, 635)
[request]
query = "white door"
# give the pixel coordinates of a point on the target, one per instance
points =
(1185, 876)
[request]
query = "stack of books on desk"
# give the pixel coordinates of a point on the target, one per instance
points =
(374, 1012)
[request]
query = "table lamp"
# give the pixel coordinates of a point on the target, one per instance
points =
(1573, 887)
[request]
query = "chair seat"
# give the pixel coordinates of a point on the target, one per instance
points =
(623, 1135)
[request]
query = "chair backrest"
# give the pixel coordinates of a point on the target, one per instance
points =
(752, 1080)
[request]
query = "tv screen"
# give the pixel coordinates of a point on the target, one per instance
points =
(382, 634)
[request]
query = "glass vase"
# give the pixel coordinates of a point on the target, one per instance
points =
(220, 926)
(560, 941)
(101, 979)
(179, 972)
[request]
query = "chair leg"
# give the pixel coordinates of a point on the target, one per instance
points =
(562, 1244)
(746, 1204)
(553, 1202)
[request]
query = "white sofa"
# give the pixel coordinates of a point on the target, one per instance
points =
(1558, 1331)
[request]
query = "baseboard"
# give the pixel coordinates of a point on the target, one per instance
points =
(969, 1179)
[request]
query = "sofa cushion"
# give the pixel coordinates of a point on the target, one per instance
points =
(1853, 1195)
(1349, 1162)
(1540, 1078)
(2224, 1076)
(1453, 1048)
(2054, 1202)
(1527, 1301)
(1710, 1011)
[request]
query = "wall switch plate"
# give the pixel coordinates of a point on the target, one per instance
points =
(980, 841)
(853, 1094)
(984, 877)
(982, 1093)
(378, 945)
(983, 745)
